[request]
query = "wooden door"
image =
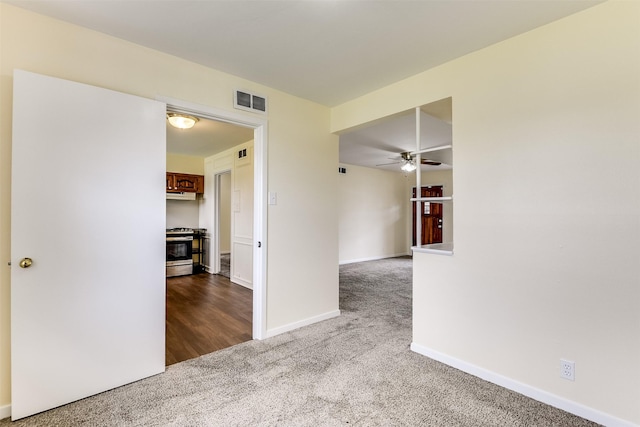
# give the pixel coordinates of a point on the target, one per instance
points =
(88, 207)
(431, 216)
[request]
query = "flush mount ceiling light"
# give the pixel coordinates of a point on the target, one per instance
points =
(181, 121)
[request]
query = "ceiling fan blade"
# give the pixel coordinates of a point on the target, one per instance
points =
(430, 162)
(386, 164)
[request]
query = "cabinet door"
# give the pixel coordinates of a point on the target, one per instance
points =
(200, 184)
(170, 182)
(186, 183)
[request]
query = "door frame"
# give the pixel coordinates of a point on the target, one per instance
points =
(260, 246)
(216, 243)
(414, 219)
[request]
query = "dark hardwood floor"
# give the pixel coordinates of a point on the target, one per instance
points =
(205, 313)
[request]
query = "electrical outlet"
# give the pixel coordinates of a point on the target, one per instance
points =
(568, 370)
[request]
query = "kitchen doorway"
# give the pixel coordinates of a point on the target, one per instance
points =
(254, 310)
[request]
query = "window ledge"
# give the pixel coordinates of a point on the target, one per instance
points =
(436, 248)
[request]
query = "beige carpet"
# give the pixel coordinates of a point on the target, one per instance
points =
(356, 369)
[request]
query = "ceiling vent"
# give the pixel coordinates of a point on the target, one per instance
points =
(244, 100)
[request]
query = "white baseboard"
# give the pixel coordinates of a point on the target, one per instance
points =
(374, 258)
(242, 282)
(525, 389)
(5, 412)
(305, 322)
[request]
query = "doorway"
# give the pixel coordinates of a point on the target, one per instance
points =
(223, 224)
(257, 239)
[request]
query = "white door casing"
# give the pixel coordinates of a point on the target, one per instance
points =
(88, 206)
(260, 239)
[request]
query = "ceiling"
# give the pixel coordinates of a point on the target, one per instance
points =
(380, 144)
(206, 138)
(327, 51)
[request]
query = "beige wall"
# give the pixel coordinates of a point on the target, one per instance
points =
(374, 213)
(546, 209)
(185, 164)
(376, 216)
(302, 284)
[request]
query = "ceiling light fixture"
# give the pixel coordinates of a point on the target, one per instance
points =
(409, 165)
(181, 121)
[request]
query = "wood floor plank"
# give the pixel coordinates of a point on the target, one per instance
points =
(205, 313)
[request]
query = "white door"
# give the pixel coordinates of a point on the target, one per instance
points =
(88, 207)
(242, 217)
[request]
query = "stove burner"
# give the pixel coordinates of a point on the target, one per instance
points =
(184, 230)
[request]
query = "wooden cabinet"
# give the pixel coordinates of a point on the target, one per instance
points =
(184, 183)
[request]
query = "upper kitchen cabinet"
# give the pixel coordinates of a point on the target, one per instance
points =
(184, 183)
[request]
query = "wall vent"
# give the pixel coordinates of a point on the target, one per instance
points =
(243, 100)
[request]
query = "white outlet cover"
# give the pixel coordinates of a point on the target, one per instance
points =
(568, 369)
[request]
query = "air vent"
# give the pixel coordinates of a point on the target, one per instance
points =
(244, 100)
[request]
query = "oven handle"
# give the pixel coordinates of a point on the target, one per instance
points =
(179, 238)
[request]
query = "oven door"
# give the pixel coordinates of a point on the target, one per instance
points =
(179, 248)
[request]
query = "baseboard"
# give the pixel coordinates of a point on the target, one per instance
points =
(524, 389)
(241, 282)
(5, 412)
(305, 322)
(375, 258)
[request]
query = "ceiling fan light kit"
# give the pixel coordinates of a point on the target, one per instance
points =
(181, 121)
(408, 166)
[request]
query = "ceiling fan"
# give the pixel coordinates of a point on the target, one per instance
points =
(409, 162)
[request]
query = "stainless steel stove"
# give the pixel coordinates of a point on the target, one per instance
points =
(179, 252)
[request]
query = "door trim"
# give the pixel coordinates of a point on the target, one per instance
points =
(260, 246)
(217, 178)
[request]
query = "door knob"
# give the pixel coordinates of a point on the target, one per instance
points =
(26, 262)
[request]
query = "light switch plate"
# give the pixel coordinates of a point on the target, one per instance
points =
(273, 198)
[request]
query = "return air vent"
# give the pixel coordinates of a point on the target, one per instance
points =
(244, 100)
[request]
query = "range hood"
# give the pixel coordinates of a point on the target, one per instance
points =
(181, 196)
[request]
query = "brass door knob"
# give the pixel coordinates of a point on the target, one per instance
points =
(26, 262)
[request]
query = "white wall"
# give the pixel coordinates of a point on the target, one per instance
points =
(546, 212)
(182, 213)
(302, 285)
(373, 214)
